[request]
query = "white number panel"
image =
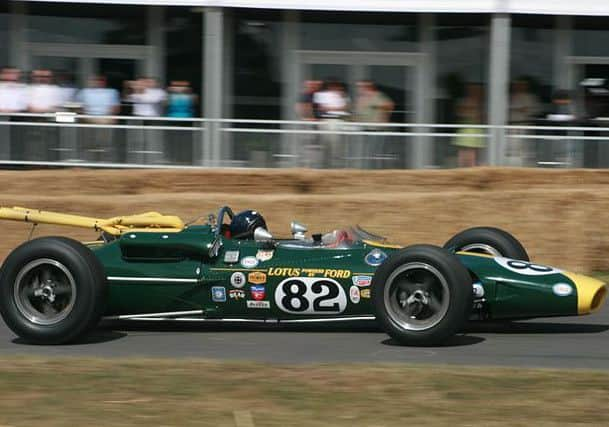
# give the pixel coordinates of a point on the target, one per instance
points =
(526, 268)
(310, 295)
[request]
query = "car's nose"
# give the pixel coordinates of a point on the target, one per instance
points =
(591, 293)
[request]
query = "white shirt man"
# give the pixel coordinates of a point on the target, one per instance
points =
(332, 103)
(13, 94)
(44, 96)
(150, 101)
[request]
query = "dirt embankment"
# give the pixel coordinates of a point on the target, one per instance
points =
(562, 217)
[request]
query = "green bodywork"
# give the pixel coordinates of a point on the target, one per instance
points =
(152, 272)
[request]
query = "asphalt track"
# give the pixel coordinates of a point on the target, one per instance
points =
(581, 342)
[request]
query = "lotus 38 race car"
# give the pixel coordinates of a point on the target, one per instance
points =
(151, 266)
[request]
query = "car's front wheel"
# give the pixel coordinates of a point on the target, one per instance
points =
(52, 290)
(422, 295)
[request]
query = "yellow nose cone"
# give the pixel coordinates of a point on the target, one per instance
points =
(591, 293)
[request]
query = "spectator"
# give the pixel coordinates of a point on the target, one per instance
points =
(333, 105)
(563, 113)
(469, 112)
(44, 96)
(13, 99)
(372, 106)
(68, 90)
(99, 101)
(148, 99)
(306, 107)
(309, 148)
(563, 108)
(180, 104)
(13, 93)
(180, 101)
(524, 107)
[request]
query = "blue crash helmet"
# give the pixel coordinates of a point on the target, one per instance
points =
(245, 223)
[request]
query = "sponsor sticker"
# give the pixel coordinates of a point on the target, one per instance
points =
(354, 294)
(237, 279)
(218, 294)
(264, 255)
(309, 272)
(362, 281)
(258, 304)
(236, 294)
(256, 277)
(249, 262)
(231, 257)
(312, 272)
(562, 289)
(375, 257)
(258, 292)
(365, 293)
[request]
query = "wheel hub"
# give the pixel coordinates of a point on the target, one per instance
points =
(416, 302)
(46, 292)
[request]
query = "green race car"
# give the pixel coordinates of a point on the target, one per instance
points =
(54, 289)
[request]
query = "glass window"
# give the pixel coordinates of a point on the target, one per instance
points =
(257, 64)
(78, 23)
(183, 60)
(359, 31)
(531, 66)
(590, 36)
(462, 55)
(4, 39)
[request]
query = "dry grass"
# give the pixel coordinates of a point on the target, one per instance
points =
(120, 392)
(561, 216)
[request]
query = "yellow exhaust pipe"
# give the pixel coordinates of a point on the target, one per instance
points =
(149, 221)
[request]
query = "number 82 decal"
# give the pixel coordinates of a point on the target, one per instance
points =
(310, 295)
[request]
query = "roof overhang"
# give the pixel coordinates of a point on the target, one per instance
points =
(549, 7)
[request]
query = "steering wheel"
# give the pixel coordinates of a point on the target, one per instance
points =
(224, 210)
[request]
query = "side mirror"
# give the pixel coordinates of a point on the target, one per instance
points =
(298, 230)
(262, 235)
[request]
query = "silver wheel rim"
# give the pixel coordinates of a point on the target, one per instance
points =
(416, 296)
(44, 291)
(481, 248)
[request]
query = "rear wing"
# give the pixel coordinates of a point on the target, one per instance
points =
(149, 221)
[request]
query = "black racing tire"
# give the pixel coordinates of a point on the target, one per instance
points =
(71, 271)
(441, 276)
(488, 240)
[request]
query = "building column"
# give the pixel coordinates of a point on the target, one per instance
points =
(212, 96)
(499, 75)
(18, 53)
(155, 38)
(562, 50)
(18, 57)
(425, 96)
(291, 82)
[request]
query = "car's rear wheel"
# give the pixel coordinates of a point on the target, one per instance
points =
(52, 290)
(422, 295)
(488, 241)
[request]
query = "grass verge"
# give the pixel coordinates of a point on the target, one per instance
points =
(120, 392)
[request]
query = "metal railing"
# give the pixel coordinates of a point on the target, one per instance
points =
(66, 139)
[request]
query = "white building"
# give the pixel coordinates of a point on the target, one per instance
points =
(248, 59)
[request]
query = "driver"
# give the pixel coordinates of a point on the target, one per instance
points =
(245, 223)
